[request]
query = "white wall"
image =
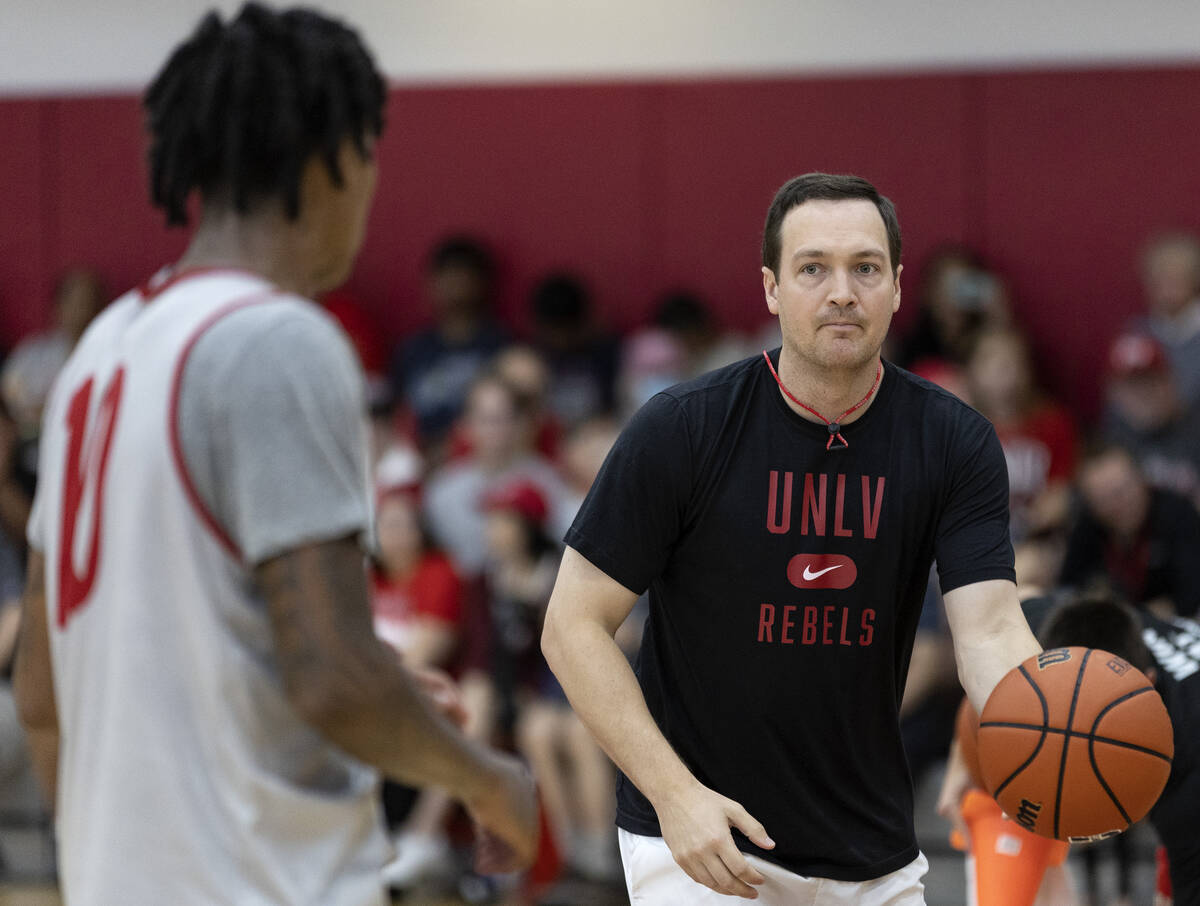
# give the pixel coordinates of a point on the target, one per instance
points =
(97, 45)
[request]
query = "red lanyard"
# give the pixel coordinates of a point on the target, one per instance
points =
(835, 428)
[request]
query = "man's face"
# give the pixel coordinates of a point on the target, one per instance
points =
(1171, 277)
(835, 293)
(1115, 492)
(492, 423)
(1146, 400)
(457, 290)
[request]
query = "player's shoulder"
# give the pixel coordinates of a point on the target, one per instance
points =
(279, 327)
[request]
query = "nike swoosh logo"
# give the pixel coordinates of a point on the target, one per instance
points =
(809, 575)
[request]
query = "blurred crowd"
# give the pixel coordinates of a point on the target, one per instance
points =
(484, 444)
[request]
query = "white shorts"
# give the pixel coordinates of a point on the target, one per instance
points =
(654, 879)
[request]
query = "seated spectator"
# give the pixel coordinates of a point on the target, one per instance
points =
(1140, 541)
(583, 454)
(575, 778)
(581, 358)
(497, 427)
(395, 458)
(525, 371)
(705, 346)
(416, 595)
(522, 368)
(30, 371)
(956, 300)
(1171, 282)
(20, 795)
(651, 361)
(417, 600)
(16, 488)
(1038, 435)
(1146, 414)
(434, 369)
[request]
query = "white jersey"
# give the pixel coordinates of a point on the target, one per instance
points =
(185, 776)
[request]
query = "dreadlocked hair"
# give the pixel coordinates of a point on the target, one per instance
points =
(240, 107)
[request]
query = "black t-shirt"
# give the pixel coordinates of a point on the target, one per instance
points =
(785, 586)
(1175, 646)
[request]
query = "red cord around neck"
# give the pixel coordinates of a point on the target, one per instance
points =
(835, 427)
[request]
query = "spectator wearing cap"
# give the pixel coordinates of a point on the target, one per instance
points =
(1146, 414)
(1139, 540)
(1171, 285)
(575, 778)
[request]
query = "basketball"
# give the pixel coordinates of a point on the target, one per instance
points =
(966, 729)
(1075, 744)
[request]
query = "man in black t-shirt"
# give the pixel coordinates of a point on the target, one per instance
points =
(786, 556)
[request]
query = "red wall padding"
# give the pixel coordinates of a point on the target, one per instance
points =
(1057, 177)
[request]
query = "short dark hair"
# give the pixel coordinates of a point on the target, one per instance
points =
(240, 107)
(560, 300)
(683, 312)
(1097, 446)
(465, 252)
(1098, 621)
(824, 187)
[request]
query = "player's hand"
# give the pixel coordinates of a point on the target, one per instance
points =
(441, 689)
(695, 828)
(955, 784)
(506, 818)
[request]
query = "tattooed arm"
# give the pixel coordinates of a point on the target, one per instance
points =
(349, 685)
(32, 680)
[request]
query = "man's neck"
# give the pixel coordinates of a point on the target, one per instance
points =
(266, 244)
(829, 391)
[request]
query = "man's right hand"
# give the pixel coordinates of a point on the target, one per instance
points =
(506, 817)
(695, 827)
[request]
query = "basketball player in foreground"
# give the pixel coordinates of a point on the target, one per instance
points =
(783, 512)
(198, 669)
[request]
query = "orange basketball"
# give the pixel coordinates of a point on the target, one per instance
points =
(1074, 743)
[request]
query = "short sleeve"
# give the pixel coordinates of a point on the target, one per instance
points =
(273, 429)
(972, 543)
(636, 509)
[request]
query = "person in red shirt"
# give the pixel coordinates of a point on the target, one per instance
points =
(416, 596)
(418, 603)
(1038, 434)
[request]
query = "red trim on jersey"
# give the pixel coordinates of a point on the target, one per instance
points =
(189, 488)
(150, 290)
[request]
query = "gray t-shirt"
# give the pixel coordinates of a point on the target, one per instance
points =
(273, 428)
